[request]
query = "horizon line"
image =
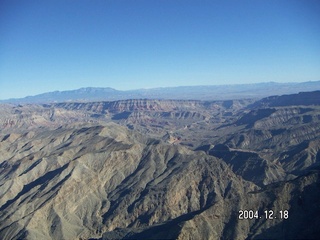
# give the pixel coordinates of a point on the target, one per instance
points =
(155, 88)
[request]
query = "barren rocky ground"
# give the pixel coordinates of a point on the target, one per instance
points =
(161, 169)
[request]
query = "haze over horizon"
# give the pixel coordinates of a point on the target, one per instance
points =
(179, 88)
(63, 45)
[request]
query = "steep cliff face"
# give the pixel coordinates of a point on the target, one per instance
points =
(16, 118)
(153, 105)
(301, 98)
(155, 117)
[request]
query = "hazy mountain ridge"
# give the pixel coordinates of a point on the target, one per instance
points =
(211, 92)
(174, 169)
(301, 98)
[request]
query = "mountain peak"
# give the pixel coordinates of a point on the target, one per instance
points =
(96, 89)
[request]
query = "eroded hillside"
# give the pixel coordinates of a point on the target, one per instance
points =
(160, 169)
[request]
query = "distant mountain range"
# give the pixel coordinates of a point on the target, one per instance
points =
(211, 92)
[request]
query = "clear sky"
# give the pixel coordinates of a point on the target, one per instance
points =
(62, 45)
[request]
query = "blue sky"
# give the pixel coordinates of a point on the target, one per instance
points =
(62, 45)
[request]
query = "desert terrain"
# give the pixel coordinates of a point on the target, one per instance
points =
(161, 169)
